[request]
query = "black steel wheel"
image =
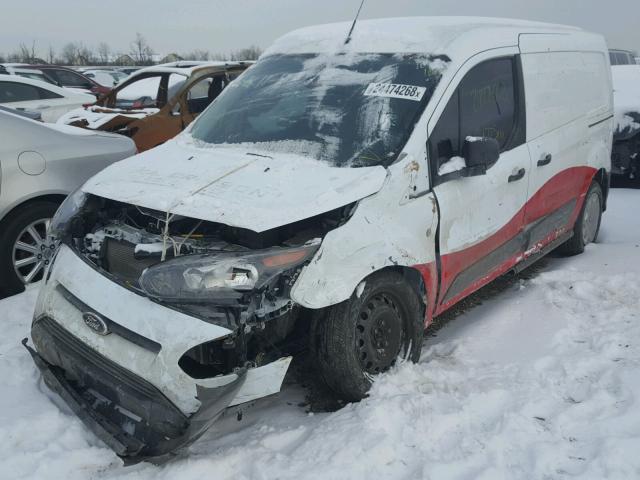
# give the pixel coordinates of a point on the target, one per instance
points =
(587, 226)
(356, 340)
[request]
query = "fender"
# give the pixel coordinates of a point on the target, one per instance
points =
(389, 228)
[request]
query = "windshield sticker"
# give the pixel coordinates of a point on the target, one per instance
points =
(395, 90)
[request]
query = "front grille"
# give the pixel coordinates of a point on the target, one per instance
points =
(71, 344)
(129, 402)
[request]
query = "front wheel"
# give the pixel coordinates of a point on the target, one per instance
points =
(587, 226)
(364, 336)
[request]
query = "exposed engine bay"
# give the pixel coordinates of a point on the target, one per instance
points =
(228, 276)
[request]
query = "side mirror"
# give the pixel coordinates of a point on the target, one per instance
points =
(479, 154)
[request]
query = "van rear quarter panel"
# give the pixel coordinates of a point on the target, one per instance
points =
(569, 108)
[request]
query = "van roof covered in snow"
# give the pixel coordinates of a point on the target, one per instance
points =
(435, 35)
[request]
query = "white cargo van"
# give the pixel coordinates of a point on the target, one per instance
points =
(341, 192)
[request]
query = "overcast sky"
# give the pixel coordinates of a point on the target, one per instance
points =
(227, 25)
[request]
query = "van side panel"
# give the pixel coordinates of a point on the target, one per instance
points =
(565, 87)
(569, 109)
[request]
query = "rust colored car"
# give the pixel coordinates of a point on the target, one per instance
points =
(156, 103)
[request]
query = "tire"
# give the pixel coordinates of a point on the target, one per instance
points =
(37, 215)
(348, 343)
(587, 226)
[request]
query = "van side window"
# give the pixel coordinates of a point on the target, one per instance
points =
(485, 104)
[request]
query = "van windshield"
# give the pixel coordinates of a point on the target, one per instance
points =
(350, 110)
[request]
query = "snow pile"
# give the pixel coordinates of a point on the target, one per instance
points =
(626, 97)
(541, 381)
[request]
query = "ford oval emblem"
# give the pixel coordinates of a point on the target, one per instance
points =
(95, 323)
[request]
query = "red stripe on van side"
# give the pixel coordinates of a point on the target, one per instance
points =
(563, 187)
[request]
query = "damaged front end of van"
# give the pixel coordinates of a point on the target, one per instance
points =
(184, 320)
(183, 279)
(151, 323)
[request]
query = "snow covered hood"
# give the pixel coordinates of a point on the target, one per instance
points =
(234, 185)
(626, 98)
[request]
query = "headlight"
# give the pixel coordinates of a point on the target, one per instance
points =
(60, 221)
(220, 275)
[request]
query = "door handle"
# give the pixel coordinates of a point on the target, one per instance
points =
(546, 160)
(517, 176)
(42, 107)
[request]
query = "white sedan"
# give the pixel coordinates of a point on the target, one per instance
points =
(41, 163)
(51, 101)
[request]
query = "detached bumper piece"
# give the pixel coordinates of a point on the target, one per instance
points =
(125, 411)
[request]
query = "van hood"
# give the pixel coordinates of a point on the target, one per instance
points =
(235, 185)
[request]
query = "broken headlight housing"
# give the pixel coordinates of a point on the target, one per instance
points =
(197, 278)
(68, 209)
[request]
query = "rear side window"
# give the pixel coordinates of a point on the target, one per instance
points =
(484, 105)
(72, 79)
(20, 92)
(47, 94)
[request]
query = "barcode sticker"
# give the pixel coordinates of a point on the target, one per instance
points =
(395, 90)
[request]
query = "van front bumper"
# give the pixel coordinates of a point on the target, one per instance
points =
(127, 413)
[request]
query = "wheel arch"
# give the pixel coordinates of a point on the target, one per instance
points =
(414, 279)
(602, 177)
(53, 197)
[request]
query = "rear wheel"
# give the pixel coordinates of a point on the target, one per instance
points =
(365, 335)
(24, 250)
(587, 226)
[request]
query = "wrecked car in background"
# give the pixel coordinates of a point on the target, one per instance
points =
(63, 77)
(625, 156)
(340, 193)
(49, 100)
(156, 103)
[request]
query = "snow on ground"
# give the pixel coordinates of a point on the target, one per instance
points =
(541, 381)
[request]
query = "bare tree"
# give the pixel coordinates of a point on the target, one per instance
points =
(85, 55)
(69, 53)
(76, 53)
(104, 52)
(249, 53)
(51, 55)
(197, 55)
(141, 51)
(26, 54)
(220, 56)
(2, 58)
